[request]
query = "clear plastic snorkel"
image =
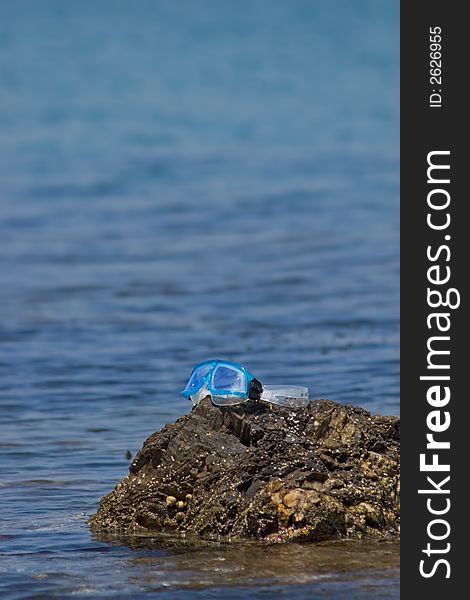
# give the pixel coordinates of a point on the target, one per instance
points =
(285, 395)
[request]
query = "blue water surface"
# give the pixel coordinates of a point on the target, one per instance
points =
(180, 181)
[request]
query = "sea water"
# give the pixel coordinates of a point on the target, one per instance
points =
(181, 181)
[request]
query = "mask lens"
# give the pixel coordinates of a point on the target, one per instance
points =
(227, 400)
(228, 379)
(197, 378)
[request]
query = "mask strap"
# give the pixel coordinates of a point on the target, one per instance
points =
(255, 389)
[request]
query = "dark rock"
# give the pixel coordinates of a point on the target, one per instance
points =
(320, 472)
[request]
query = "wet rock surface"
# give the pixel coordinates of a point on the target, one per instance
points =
(321, 472)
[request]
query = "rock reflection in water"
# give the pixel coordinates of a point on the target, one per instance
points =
(196, 564)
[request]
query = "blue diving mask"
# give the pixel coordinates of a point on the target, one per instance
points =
(229, 384)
